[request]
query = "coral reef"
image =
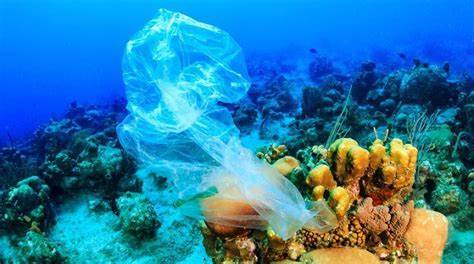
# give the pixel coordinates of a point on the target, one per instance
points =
(137, 215)
(365, 81)
(366, 189)
(26, 206)
(36, 248)
(427, 82)
(14, 166)
(77, 154)
(371, 184)
(88, 155)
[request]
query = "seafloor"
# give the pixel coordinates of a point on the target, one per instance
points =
(71, 194)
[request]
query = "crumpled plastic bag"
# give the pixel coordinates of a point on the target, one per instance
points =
(176, 70)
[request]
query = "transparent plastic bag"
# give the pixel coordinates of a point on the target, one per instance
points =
(176, 70)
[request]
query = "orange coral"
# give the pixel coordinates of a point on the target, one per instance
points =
(428, 231)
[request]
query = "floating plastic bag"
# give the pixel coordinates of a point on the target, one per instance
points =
(176, 70)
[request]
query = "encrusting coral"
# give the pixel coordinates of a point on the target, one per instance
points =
(367, 189)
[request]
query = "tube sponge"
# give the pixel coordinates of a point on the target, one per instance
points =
(348, 160)
(176, 70)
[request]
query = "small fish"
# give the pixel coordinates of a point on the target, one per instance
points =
(402, 55)
(446, 67)
(426, 65)
(313, 50)
(197, 197)
(417, 62)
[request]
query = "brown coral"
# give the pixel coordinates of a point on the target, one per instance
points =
(240, 248)
(350, 233)
(399, 221)
(374, 218)
(227, 250)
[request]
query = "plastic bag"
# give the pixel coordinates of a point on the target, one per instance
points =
(176, 70)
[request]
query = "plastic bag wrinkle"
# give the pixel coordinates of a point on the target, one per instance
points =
(176, 70)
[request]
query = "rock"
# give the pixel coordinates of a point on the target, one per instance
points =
(428, 231)
(340, 255)
(388, 105)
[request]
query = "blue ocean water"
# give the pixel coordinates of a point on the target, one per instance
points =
(54, 52)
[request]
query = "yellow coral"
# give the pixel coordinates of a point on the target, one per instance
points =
(397, 166)
(340, 200)
(321, 175)
(389, 173)
(403, 158)
(275, 241)
(348, 159)
(295, 250)
(286, 165)
(377, 153)
(318, 192)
